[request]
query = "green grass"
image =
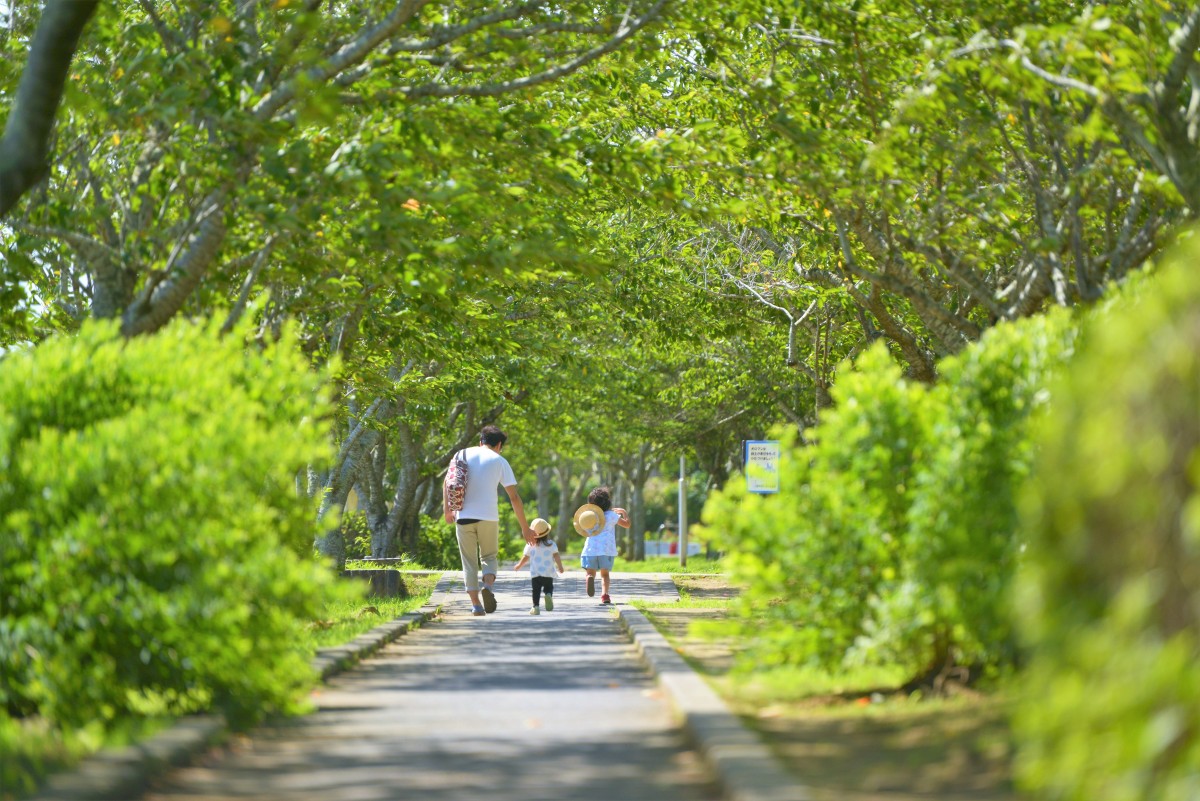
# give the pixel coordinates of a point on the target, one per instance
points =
(668, 564)
(691, 596)
(748, 686)
(345, 620)
(756, 686)
(682, 603)
(370, 564)
(788, 684)
(849, 731)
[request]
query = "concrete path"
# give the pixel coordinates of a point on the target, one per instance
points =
(555, 707)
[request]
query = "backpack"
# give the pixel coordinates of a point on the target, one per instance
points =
(456, 482)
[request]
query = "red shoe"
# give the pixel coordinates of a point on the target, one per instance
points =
(605, 600)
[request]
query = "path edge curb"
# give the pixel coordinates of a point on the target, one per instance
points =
(745, 768)
(118, 773)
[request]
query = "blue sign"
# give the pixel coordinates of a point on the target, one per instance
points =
(762, 466)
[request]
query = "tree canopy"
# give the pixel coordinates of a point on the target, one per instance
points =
(620, 229)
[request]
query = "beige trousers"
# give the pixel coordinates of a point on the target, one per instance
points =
(478, 543)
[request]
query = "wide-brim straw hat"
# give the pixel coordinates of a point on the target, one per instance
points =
(589, 520)
(540, 527)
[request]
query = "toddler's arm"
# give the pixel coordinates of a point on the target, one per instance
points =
(622, 517)
(524, 561)
(558, 562)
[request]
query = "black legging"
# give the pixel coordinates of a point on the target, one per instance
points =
(540, 583)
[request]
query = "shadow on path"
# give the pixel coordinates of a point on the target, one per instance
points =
(510, 706)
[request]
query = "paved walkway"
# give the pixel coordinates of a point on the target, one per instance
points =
(555, 707)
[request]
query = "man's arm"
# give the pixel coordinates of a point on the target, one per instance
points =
(519, 508)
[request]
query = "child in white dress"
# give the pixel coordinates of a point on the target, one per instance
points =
(598, 520)
(542, 557)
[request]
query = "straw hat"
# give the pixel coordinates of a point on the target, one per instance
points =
(540, 527)
(589, 520)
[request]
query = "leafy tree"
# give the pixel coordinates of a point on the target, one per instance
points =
(161, 180)
(863, 155)
(1129, 68)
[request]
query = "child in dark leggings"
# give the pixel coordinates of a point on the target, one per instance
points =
(542, 557)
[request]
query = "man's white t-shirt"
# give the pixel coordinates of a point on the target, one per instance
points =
(486, 470)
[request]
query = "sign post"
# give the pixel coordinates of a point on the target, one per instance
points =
(683, 543)
(762, 466)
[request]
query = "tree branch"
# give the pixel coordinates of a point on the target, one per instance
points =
(1184, 42)
(552, 74)
(239, 306)
(345, 58)
(90, 249)
(163, 297)
(25, 147)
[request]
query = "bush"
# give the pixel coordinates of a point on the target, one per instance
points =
(356, 536)
(962, 539)
(1111, 586)
(437, 546)
(893, 538)
(814, 556)
(155, 552)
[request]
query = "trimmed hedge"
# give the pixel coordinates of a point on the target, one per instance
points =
(156, 556)
(894, 537)
(1111, 586)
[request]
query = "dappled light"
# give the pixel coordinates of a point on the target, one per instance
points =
(637, 399)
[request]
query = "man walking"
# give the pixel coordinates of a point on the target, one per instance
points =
(477, 526)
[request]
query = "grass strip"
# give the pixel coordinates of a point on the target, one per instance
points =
(669, 564)
(346, 620)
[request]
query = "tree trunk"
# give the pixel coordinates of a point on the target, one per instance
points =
(638, 522)
(408, 539)
(562, 524)
(408, 481)
(631, 490)
(26, 143)
(331, 544)
(571, 491)
(544, 478)
(112, 290)
(616, 493)
(823, 399)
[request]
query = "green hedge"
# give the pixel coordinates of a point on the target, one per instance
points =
(1111, 588)
(893, 538)
(156, 556)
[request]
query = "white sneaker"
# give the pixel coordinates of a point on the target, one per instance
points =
(535, 611)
